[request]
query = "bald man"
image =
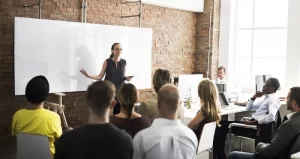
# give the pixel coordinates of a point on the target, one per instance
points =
(167, 137)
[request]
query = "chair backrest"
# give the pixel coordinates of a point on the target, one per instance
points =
(33, 147)
(207, 137)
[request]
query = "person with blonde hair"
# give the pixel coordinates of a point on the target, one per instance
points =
(149, 107)
(128, 119)
(209, 111)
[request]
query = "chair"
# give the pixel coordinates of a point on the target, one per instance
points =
(261, 130)
(33, 147)
(207, 138)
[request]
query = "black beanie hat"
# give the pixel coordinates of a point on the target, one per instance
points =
(37, 89)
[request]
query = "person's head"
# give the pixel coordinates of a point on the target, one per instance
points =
(101, 97)
(271, 86)
(160, 78)
(116, 50)
(127, 96)
(221, 72)
(208, 94)
(168, 100)
(293, 99)
(37, 90)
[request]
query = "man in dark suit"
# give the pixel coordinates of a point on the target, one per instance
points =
(284, 134)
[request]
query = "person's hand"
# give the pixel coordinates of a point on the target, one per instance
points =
(257, 95)
(84, 72)
(129, 78)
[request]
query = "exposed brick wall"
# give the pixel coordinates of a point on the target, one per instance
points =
(203, 21)
(174, 44)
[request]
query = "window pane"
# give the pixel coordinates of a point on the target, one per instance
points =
(243, 43)
(271, 13)
(243, 71)
(274, 67)
(270, 43)
(244, 13)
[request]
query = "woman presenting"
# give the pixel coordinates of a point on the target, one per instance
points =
(114, 70)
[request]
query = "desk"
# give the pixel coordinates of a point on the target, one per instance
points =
(296, 156)
(190, 114)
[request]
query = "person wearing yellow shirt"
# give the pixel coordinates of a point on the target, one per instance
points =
(34, 119)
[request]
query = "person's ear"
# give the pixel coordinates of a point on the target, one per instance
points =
(112, 105)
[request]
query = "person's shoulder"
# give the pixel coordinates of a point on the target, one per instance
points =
(123, 61)
(50, 113)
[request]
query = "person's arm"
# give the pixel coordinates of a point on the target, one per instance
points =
(57, 127)
(278, 143)
(252, 105)
(196, 120)
(13, 126)
(96, 77)
(125, 77)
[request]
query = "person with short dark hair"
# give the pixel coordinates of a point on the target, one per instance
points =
(167, 137)
(265, 104)
(128, 119)
(34, 119)
(284, 134)
(98, 138)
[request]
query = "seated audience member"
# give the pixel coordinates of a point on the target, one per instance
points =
(149, 107)
(209, 111)
(265, 108)
(167, 137)
(99, 138)
(284, 134)
(222, 79)
(128, 119)
(34, 119)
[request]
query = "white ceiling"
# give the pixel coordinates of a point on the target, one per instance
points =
(187, 5)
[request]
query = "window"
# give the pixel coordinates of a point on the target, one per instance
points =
(260, 39)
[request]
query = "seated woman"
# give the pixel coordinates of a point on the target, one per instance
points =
(149, 108)
(128, 119)
(209, 111)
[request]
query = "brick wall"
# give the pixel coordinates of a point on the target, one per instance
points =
(174, 44)
(202, 39)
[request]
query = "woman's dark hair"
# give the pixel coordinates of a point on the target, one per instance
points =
(112, 48)
(127, 96)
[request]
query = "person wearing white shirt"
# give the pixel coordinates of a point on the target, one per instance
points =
(221, 75)
(265, 104)
(267, 108)
(167, 137)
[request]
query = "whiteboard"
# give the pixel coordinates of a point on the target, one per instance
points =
(59, 49)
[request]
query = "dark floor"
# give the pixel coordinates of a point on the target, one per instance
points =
(8, 147)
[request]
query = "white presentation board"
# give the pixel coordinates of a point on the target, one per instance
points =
(59, 49)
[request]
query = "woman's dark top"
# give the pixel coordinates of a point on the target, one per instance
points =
(115, 74)
(132, 126)
(199, 129)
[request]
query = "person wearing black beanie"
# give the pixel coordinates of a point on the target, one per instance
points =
(34, 119)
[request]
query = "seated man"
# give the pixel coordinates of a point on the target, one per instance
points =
(98, 139)
(265, 112)
(284, 134)
(34, 119)
(166, 137)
